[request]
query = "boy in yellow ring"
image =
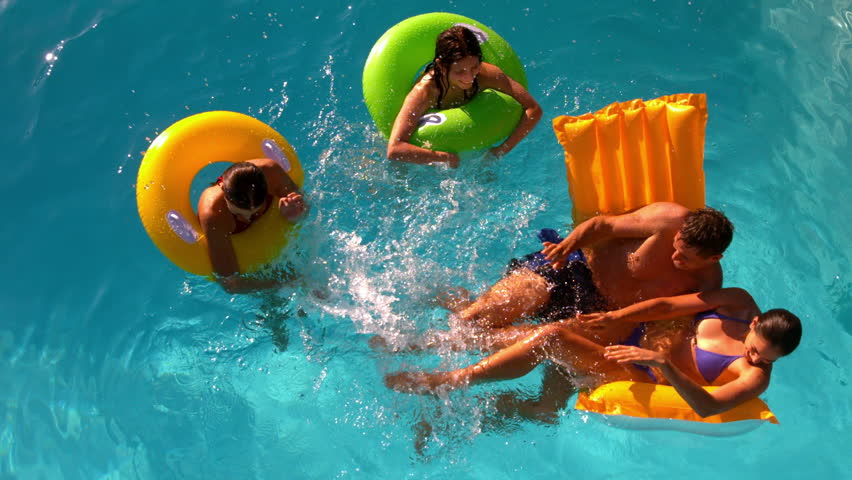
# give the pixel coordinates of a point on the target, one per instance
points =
(240, 196)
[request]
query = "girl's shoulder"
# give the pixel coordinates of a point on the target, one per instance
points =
(489, 67)
(213, 211)
(491, 76)
(425, 89)
(210, 196)
(490, 70)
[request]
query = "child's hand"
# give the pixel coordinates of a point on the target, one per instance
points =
(292, 206)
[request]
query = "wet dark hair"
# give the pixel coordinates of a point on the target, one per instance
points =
(780, 328)
(244, 185)
(707, 230)
(452, 45)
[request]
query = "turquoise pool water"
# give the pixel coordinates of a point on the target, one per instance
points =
(118, 365)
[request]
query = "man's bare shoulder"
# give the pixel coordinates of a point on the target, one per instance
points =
(663, 214)
(710, 278)
(665, 209)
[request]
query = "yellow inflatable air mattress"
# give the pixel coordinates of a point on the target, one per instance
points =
(630, 154)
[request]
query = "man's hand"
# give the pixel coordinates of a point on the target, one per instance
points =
(556, 253)
(292, 206)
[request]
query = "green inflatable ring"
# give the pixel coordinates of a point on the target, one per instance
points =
(397, 59)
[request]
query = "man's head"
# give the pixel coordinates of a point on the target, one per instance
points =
(702, 239)
(774, 334)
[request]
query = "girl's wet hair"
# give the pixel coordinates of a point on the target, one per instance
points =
(244, 185)
(456, 43)
(452, 45)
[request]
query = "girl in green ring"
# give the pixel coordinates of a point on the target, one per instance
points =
(454, 77)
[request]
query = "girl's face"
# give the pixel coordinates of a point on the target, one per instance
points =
(463, 72)
(244, 214)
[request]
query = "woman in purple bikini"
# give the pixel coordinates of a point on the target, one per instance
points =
(733, 346)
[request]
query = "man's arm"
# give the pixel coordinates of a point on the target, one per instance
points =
(642, 223)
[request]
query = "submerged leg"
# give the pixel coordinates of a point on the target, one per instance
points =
(556, 390)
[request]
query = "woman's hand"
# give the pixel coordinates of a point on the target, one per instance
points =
(630, 354)
(292, 206)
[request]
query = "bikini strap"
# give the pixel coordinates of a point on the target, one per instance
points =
(714, 314)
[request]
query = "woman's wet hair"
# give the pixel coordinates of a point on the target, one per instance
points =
(707, 230)
(452, 45)
(244, 185)
(780, 328)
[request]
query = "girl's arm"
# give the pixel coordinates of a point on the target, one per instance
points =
(491, 76)
(291, 201)
(664, 308)
(215, 225)
(416, 103)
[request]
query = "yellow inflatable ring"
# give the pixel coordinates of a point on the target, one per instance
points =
(649, 401)
(165, 178)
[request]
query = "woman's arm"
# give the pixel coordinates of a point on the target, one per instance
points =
(490, 76)
(664, 308)
(751, 382)
(416, 103)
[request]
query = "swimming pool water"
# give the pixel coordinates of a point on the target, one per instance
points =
(118, 365)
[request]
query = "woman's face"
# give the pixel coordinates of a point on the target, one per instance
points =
(758, 350)
(463, 72)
